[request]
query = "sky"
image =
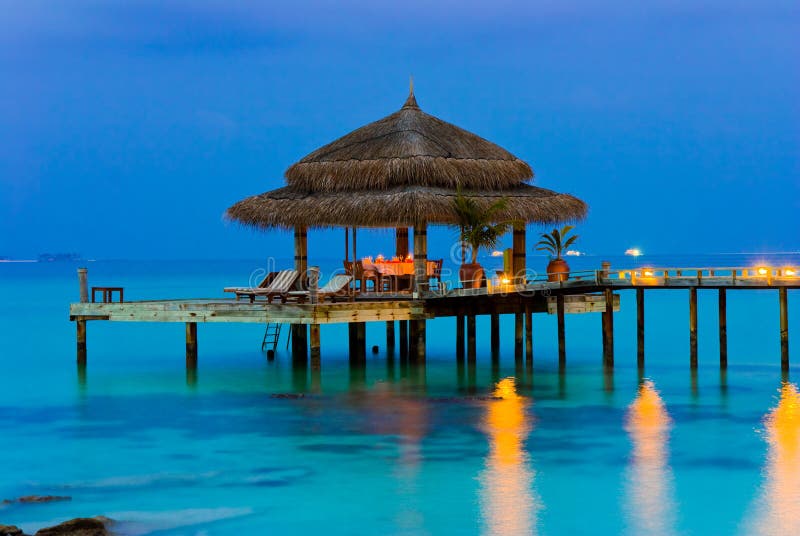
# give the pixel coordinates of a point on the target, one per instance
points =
(127, 128)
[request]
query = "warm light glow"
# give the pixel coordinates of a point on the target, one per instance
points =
(497, 253)
(633, 252)
(762, 271)
(648, 273)
(779, 506)
(505, 281)
(508, 502)
(789, 272)
(650, 505)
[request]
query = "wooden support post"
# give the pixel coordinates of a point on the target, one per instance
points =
(301, 254)
(528, 334)
(412, 340)
(723, 328)
(191, 344)
(315, 345)
(81, 337)
(460, 337)
(421, 340)
(518, 254)
(495, 333)
(608, 331)
(420, 258)
(358, 342)
(401, 242)
(640, 328)
(313, 284)
(83, 283)
(403, 339)
(784, 318)
(693, 327)
(471, 342)
(390, 337)
(299, 343)
(518, 335)
(562, 341)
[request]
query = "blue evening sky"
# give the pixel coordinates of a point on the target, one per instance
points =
(127, 128)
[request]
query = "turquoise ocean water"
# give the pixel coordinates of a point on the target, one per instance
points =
(392, 448)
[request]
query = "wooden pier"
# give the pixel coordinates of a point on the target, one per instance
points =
(583, 292)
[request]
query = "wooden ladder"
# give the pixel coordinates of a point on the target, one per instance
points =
(271, 336)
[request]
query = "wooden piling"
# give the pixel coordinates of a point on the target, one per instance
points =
(562, 340)
(460, 337)
(83, 284)
(299, 343)
(81, 338)
(191, 344)
(390, 337)
(784, 323)
(358, 342)
(528, 334)
(315, 344)
(608, 329)
(518, 335)
(403, 339)
(420, 258)
(723, 328)
(518, 254)
(640, 328)
(412, 340)
(693, 327)
(495, 329)
(471, 342)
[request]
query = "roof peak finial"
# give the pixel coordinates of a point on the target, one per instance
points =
(411, 101)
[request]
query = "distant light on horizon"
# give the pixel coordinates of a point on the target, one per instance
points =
(633, 252)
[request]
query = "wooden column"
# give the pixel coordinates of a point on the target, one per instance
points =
(358, 342)
(693, 327)
(562, 342)
(390, 337)
(315, 344)
(640, 327)
(518, 335)
(403, 339)
(401, 242)
(460, 337)
(83, 284)
(495, 332)
(784, 314)
(528, 334)
(301, 253)
(191, 344)
(81, 338)
(608, 328)
(723, 328)
(412, 340)
(420, 257)
(471, 342)
(299, 343)
(518, 253)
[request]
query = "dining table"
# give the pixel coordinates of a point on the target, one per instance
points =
(400, 273)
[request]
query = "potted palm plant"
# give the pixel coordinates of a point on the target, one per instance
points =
(556, 243)
(478, 230)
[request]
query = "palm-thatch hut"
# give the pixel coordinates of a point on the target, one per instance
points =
(404, 171)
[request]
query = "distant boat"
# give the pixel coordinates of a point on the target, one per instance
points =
(633, 252)
(575, 253)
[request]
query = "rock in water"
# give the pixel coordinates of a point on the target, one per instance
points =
(10, 530)
(81, 526)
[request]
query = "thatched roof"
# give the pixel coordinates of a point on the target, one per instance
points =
(408, 147)
(398, 207)
(403, 170)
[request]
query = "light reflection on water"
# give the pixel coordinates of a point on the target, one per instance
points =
(508, 500)
(778, 509)
(650, 505)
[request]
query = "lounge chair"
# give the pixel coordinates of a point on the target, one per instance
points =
(278, 286)
(337, 286)
(246, 291)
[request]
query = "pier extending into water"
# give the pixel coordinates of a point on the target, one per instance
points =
(408, 313)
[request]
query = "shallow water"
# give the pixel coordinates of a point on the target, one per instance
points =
(252, 446)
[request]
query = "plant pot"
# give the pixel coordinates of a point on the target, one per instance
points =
(472, 275)
(557, 270)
